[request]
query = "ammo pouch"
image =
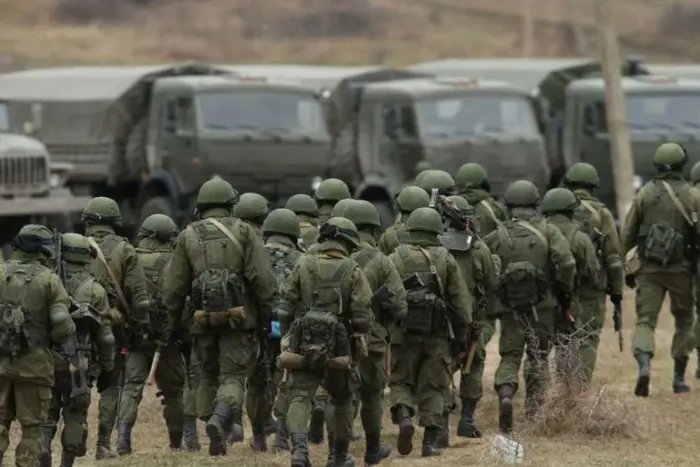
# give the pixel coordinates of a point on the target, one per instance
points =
(522, 286)
(662, 245)
(218, 298)
(424, 309)
(319, 337)
(14, 337)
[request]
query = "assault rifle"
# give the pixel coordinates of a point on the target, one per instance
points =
(617, 322)
(455, 218)
(264, 367)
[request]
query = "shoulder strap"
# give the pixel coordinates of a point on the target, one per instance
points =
(112, 277)
(534, 230)
(489, 208)
(433, 270)
(226, 232)
(594, 212)
(677, 202)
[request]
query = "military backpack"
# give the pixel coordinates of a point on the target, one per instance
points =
(153, 264)
(14, 326)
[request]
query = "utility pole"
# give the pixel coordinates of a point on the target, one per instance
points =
(615, 109)
(528, 29)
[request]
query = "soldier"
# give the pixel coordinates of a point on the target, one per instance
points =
(536, 266)
(663, 224)
(438, 179)
(327, 337)
(221, 264)
(434, 327)
(154, 249)
(252, 208)
(559, 205)
(94, 345)
(118, 270)
(473, 185)
(329, 192)
(408, 200)
(695, 180)
(389, 301)
(597, 221)
(304, 206)
(480, 274)
(281, 234)
(35, 317)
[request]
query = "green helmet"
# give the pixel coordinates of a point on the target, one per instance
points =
(522, 193)
(419, 178)
(332, 190)
(362, 213)
(158, 226)
(421, 166)
(340, 207)
(670, 157)
(437, 179)
(34, 238)
(425, 220)
(411, 198)
(695, 173)
(251, 206)
(282, 221)
(303, 204)
(559, 200)
(76, 248)
(582, 173)
(471, 175)
(462, 204)
(340, 227)
(102, 210)
(216, 192)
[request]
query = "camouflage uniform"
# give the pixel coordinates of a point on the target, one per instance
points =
(536, 264)
(329, 192)
(155, 246)
(559, 205)
(656, 225)
(34, 300)
(190, 438)
(221, 263)
(94, 346)
(408, 200)
(596, 220)
(124, 280)
(695, 180)
(281, 234)
(421, 350)
(304, 206)
(480, 274)
(332, 289)
(252, 208)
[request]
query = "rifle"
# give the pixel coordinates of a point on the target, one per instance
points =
(617, 322)
(264, 365)
(154, 367)
(456, 219)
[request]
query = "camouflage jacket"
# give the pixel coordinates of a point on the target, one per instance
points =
(489, 212)
(189, 260)
(309, 230)
(46, 298)
(283, 256)
(155, 257)
(480, 275)
(393, 237)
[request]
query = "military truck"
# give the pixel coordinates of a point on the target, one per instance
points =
(660, 108)
(32, 188)
(149, 136)
(383, 122)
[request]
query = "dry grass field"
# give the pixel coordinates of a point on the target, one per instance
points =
(658, 431)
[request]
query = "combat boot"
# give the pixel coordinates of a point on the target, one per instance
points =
(429, 447)
(258, 442)
(124, 438)
(281, 435)
(375, 450)
(679, 366)
(442, 437)
(402, 417)
(216, 429)
(45, 456)
(67, 459)
(318, 418)
(300, 450)
(190, 438)
(234, 428)
(103, 451)
(175, 440)
(642, 387)
(505, 408)
(342, 457)
(466, 427)
(330, 460)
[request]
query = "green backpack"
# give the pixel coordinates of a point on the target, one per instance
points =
(523, 282)
(153, 264)
(14, 333)
(663, 244)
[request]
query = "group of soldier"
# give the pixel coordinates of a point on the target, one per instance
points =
(302, 316)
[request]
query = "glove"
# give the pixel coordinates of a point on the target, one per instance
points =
(104, 380)
(616, 300)
(630, 281)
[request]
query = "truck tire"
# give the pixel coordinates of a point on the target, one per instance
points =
(156, 205)
(135, 153)
(386, 213)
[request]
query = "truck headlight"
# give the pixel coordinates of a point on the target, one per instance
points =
(637, 182)
(316, 182)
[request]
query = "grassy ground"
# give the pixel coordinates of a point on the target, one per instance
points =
(658, 431)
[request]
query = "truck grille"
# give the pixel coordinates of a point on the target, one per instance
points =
(23, 175)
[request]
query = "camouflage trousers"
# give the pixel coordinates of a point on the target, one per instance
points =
(189, 392)
(73, 410)
(169, 376)
(28, 404)
(651, 291)
(260, 398)
(108, 405)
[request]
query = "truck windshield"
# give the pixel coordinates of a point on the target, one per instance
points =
(665, 111)
(464, 116)
(283, 113)
(4, 119)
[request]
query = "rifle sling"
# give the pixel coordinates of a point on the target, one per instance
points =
(112, 277)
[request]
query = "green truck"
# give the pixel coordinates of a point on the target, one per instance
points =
(149, 136)
(384, 121)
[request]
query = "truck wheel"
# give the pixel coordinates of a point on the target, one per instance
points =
(156, 205)
(386, 213)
